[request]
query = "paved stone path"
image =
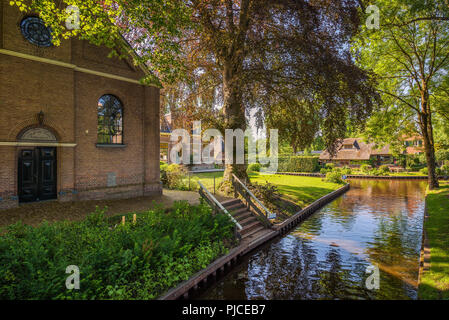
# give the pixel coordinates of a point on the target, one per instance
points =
(35, 213)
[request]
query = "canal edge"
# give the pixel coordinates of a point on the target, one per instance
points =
(201, 278)
(424, 259)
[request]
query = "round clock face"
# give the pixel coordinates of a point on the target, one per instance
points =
(35, 31)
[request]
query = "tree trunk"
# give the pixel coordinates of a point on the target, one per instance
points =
(234, 112)
(425, 121)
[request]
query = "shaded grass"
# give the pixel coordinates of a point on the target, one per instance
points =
(435, 282)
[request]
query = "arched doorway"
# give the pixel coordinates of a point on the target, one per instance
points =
(37, 166)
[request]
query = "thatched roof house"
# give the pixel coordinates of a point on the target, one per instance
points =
(354, 149)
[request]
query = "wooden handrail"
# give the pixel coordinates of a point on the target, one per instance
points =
(266, 211)
(219, 205)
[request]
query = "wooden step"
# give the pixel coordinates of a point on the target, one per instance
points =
(253, 232)
(245, 214)
(235, 206)
(249, 227)
(238, 211)
(231, 202)
(246, 221)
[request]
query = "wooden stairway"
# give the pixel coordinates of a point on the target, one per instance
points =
(252, 227)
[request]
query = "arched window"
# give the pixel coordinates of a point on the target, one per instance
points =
(110, 120)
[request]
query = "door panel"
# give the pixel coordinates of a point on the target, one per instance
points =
(27, 176)
(47, 173)
(37, 174)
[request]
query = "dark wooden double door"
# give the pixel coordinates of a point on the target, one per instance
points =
(37, 174)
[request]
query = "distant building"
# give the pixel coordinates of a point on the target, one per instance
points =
(353, 150)
(413, 145)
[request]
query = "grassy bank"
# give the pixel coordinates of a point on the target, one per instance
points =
(131, 261)
(435, 282)
(301, 190)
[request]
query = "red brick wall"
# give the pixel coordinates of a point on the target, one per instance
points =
(69, 99)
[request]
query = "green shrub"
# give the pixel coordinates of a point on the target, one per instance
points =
(298, 164)
(334, 177)
(365, 168)
(176, 176)
(445, 169)
(438, 171)
(131, 261)
(253, 167)
(324, 171)
(330, 165)
(377, 172)
(424, 171)
(384, 169)
(163, 169)
(346, 171)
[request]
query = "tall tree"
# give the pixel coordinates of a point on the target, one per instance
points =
(241, 53)
(411, 58)
(266, 54)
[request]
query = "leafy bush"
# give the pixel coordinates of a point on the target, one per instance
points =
(131, 261)
(298, 164)
(330, 165)
(176, 176)
(445, 169)
(334, 177)
(346, 171)
(324, 171)
(365, 168)
(163, 169)
(424, 171)
(253, 167)
(384, 169)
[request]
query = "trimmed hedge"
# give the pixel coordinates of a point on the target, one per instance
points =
(298, 164)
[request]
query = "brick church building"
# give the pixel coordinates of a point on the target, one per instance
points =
(74, 124)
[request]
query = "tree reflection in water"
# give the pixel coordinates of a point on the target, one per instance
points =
(376, 222)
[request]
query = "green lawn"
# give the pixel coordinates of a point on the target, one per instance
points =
(301, 190)
(435, 282)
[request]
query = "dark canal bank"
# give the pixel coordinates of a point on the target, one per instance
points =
(377, 222)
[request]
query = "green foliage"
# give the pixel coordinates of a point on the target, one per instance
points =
(176, 175)
(445, 170)
(384, 169)
(104, 23)
(131, 261)
(324, 171)
(330, 165)
(365, 168)
(346, 170)
(334, 177)
(424, 171)
(442, 155)
(298, 164)
(253, 167)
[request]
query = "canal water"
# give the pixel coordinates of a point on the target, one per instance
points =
(377, 223)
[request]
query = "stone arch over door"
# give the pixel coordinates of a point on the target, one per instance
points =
(37, 134)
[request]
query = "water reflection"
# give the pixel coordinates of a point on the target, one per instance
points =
(376, 222)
